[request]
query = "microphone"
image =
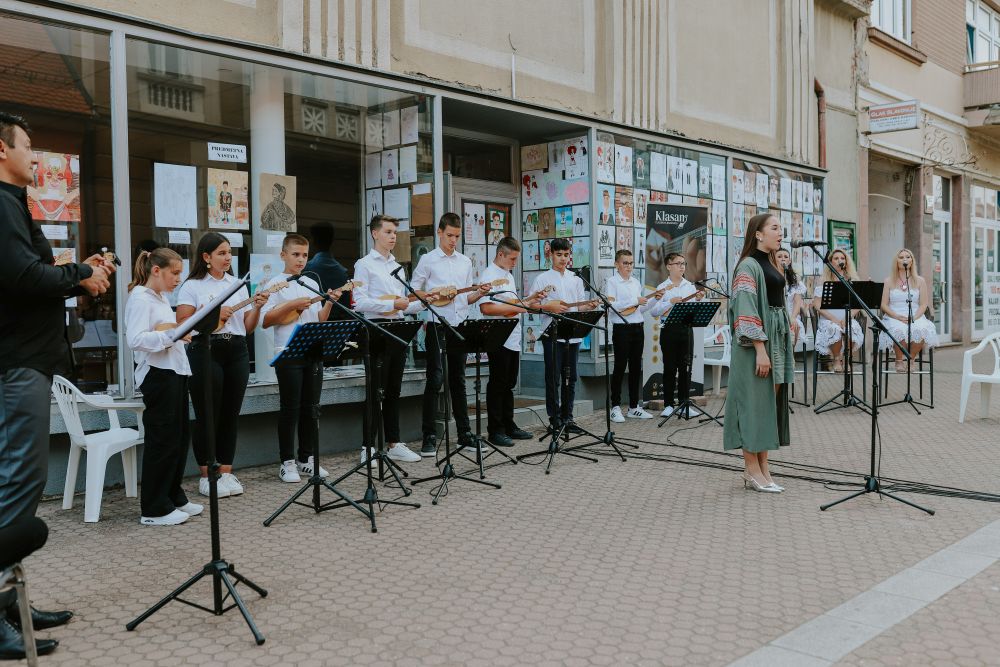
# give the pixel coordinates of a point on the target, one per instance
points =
(808, 244)
(499, 292)
(395, 273)
(295, 279)
(578, 269)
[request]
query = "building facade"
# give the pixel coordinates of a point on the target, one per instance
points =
(933, 188)
(571, 119)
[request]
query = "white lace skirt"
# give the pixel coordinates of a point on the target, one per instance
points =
(829, 333)
(921, 331)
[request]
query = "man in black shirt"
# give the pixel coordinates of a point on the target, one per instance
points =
(332, 274)
(33, 347)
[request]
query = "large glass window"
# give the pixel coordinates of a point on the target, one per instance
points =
(982, 25)
(985, 261)
(58, 79)
(255, 152)
(892, 17)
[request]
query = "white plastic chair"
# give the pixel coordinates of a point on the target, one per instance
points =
(986, 382)
(100, 447)
(717, 363)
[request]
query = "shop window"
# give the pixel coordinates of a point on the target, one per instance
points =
(57, 78)
(285, 150)
(476, 159)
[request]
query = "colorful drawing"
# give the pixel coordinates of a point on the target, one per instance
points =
(54, 195)
(228, 199)
(529, 226)
(575, 162)
(547, 223)
(604, 158)
(605, 246)
(623, 165)
(581, 251)
(531, 195)
(624, 211)
(474, 219)
(564, 221)
(625, 237)
(534, 157)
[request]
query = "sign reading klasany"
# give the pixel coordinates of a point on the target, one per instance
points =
(227, 152)
(991, 301)
(894, 117)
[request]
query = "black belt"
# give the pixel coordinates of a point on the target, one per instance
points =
(219, 338)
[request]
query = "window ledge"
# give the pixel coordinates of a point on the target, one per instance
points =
(897, 46)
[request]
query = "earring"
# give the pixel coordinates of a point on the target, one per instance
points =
(207, 265)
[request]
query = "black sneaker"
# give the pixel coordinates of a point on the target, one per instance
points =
(467, 439)
(519, 434)
(571, 427)
(501, 440)
(429, 447)
(555, 423)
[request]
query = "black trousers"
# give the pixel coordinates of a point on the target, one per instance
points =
(677, 343)
(164, 453)
(230, 365)
(298, 388)
(627, 341)
(504, 365)
(393, 363)
(560, 377)
(435, 378)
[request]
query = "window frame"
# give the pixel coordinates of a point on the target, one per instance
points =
(974, 9)
(893, 17)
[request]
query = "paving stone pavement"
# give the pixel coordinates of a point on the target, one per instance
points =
(647, 562)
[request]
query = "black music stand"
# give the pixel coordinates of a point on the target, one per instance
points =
(561, 330)
(837, 297)
(480, 336)
(310, 345)
(205, 322)
(690, 314)
(374, 351)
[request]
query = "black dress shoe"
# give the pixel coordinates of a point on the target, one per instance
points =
(501, 440)
(467, 439)
(40, 620)
(519, 434)
(571, 427)
(12, 643)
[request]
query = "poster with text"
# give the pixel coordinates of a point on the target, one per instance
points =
(623, 165)
(54, 194)
(228, 199)
(277, 202)
(175, 192)
(676, 228)
(474, 219)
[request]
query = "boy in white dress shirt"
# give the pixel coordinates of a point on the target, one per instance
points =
(373, 272)
(628, 336)
(505, 360)
(446, 267)
(676, 340)
(560, 355)
(298, 387)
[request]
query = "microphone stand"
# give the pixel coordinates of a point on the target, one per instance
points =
(850, 398)
(609, 435)
(448, 471)
(908, 396)
(718, 415)
(556, 433)
(872, 484)
(370, 427)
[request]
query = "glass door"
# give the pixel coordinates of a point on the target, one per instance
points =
(941, 256)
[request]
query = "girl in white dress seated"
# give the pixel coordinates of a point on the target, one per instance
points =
(905, 292)
(830, 329)
(795, 290)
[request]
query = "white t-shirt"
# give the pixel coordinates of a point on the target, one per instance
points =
(494, 272)
(282, 332)
(201, 293)
(568, 288)
(144, 309)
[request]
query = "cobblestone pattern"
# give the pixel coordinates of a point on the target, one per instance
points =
(643, 562)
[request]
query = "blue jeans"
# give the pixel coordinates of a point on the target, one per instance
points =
(560, 377)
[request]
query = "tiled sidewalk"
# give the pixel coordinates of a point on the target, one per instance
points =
(645, 562)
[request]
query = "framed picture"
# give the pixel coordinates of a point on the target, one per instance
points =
(843, 236)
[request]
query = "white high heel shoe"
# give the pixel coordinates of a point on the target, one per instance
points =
(750, 483)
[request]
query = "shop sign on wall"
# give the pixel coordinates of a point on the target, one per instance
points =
(894, 117)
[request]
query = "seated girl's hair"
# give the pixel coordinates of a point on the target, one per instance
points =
(144, 263)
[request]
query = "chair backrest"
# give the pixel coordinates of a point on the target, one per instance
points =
(66, 398)
(993, 342)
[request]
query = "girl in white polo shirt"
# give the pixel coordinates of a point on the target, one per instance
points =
(210, 276)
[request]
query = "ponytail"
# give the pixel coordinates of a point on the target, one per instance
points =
(144, 263)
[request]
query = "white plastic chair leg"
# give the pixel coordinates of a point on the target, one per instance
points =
(717, 379)
(985, 389)
(96, 465)
(72, 467)
(964, 399)
(129, 468)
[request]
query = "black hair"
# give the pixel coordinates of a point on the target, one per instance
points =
(322, 235)
(8, 122)
(791, 278)
(206, 246)
(559, 245)
(449, 220)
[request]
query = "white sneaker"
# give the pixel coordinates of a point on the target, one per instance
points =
(192, 509)
(667, 411)
(307, 469)
(373, 464)
(289, 472)
(638, 413)
(230, 482)
(171, 519)
(400, 452)
(616, 415)
(203, 488)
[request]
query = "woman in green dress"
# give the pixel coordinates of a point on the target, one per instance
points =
(761, 361)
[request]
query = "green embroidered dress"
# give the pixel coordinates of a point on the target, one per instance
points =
(756, 416)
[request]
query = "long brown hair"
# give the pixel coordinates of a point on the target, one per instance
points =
(144, 263)
(750, 241)
(206, 246)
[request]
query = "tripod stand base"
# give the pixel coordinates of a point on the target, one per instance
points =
(220, 571)
(912, 401)
(873, 485)
(479, 444)
(447, 475)
(554, 448)
(371, 493)
(850, 401)
(683, 411)
(315, 484)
